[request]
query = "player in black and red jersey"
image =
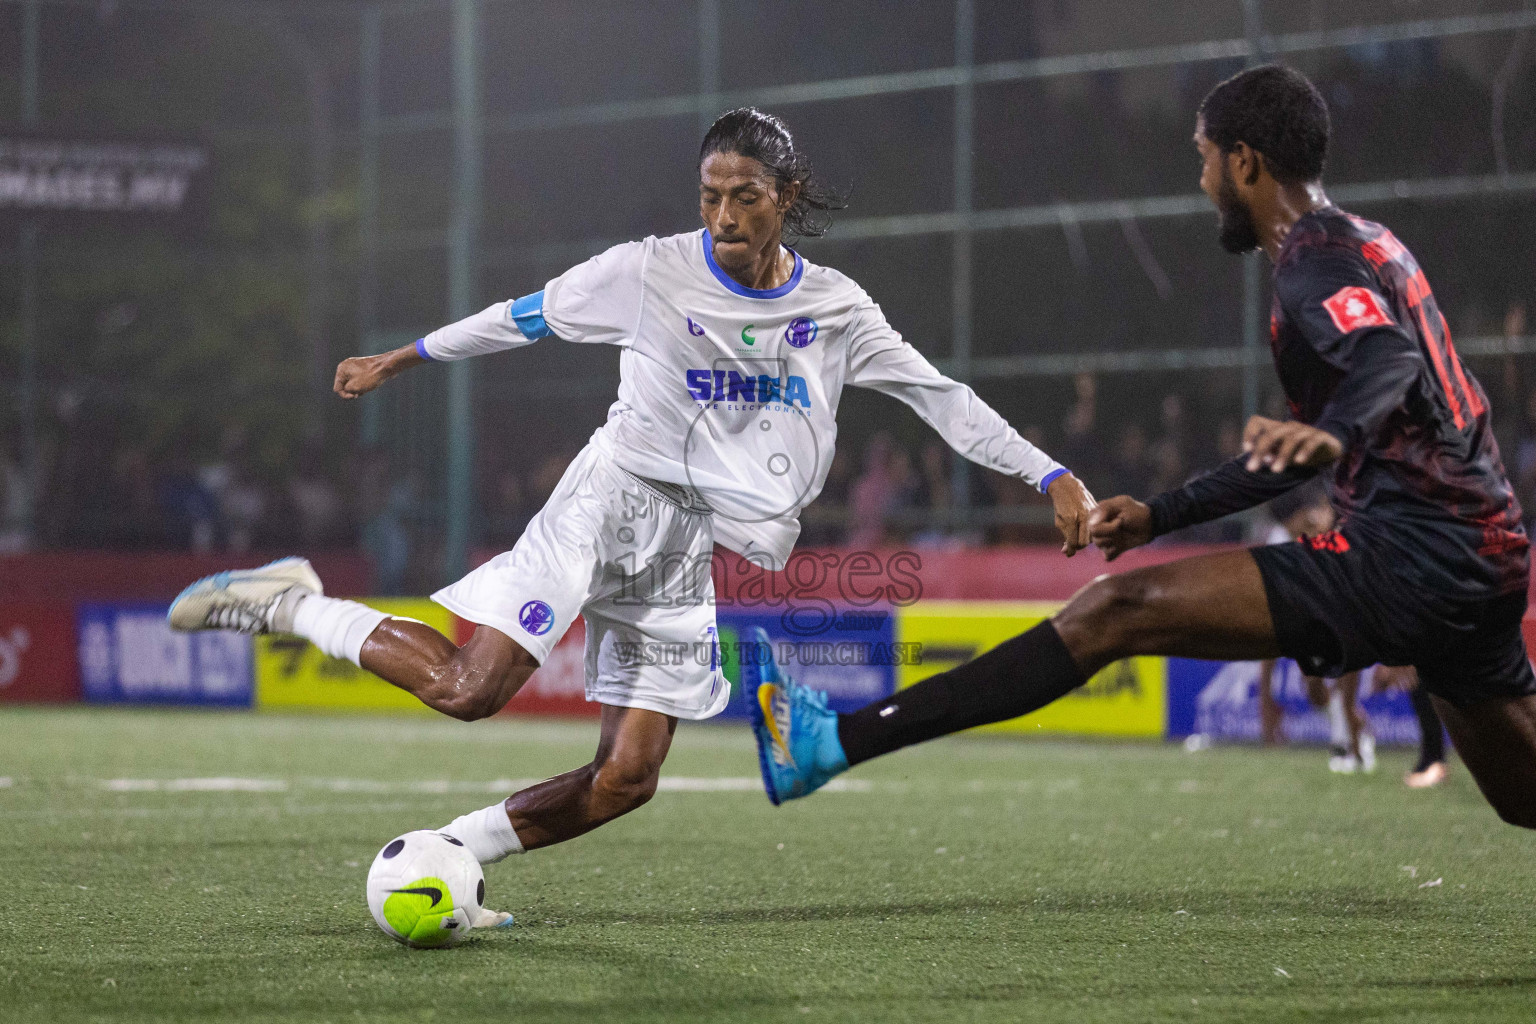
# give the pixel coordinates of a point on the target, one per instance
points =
(1428, 565)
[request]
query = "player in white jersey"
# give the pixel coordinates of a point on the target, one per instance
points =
(735, 351)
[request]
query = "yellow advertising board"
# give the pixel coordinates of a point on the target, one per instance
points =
(1126, 699)
(292, 674)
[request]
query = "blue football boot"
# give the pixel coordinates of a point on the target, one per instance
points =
(797, 745)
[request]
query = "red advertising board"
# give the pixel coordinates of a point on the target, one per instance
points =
(38, 661)
(151, 575)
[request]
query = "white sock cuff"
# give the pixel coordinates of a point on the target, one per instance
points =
(337, 627)
(486, 833)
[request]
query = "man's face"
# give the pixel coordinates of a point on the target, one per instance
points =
(741, 206)
(1238, 233)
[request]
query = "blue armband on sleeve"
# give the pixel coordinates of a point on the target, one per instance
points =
(528, 314)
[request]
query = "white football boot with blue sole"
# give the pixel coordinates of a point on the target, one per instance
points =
(245, 600)
(797, 745)
(490, 919)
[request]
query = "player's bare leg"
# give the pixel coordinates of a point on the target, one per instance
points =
(478, 679)
(286, 596)
(1317, 691)
(1497, 743)
(1213, 607)
(1362, 742)
(1430, 769)
(621, 777)
(1271, 714)
(468, 683)
(1352, 748)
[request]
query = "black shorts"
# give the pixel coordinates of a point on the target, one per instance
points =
(1338, 607)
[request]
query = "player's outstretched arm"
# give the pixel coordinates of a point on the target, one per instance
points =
(496, 328)
(1123, 523)
(361, 374)
(880, 360)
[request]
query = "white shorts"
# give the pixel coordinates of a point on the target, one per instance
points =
(630, 556)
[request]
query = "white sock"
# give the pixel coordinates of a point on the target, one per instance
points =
(486, 833)
(336, 627)
(1338, 722)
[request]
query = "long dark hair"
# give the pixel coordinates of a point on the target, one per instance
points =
(751, 133)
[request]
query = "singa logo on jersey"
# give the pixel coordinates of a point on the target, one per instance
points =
(731, 386)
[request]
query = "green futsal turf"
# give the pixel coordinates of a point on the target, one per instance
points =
(971, 879)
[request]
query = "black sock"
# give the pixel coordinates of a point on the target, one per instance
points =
(1016, 677)
(1431, 735)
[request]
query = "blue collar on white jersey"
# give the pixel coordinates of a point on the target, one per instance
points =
(741, 289)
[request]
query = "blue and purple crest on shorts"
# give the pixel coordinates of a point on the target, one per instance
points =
(801, 332)
(536, 617)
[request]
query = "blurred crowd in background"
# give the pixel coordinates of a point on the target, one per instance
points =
(105, 492)
(174, 410)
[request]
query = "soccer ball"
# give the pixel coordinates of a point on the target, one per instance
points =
(425, 889)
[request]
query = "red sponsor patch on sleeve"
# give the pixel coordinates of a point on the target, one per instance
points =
(1353, 308)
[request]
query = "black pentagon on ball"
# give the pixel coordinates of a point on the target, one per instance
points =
(394, 848)
(480, 893)
(450, 838)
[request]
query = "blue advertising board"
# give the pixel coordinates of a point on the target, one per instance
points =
(1220, 700)
(128, 655)
(848, 652)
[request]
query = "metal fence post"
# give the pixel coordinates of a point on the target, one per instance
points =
(961, 267)
(371, 37)
(463, 266)
(1253, 270)
(31, 230)
(709, 64)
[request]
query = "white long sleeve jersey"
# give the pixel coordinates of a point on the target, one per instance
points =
(732, 390)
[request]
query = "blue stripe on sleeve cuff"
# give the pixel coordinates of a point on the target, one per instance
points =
(528, 314)
(1050, 478)
(421, 350)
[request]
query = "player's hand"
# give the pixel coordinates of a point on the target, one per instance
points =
(1120, 524)
(1073, 505)
(361, 374)
(1280, 446)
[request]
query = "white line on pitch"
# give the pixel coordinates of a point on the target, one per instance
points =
(215, 785)
(667, 784)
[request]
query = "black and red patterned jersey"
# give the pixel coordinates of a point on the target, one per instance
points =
(1421, 473)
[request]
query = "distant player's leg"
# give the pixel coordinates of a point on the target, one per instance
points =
(1271, 714)
(1362, 743)
(1214, 606)
(1430, 769)
(1327, 696)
